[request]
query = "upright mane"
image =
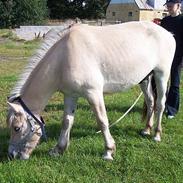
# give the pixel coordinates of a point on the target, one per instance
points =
(51, 38)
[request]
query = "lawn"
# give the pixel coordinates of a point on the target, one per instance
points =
(137, 159)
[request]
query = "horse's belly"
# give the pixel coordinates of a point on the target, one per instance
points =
(119, 77)
(117, 87)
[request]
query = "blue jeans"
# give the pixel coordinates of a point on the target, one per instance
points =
(173, 97)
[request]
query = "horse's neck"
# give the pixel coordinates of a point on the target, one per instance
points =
(42, 83)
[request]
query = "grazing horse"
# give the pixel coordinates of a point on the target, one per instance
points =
(88, 61)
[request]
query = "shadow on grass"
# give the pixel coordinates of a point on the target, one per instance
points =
(53, 132)
(109, 108)
(128, 132)
(79, 130)
(4, 139)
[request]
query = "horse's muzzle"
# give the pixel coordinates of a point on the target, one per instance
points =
(12, 155)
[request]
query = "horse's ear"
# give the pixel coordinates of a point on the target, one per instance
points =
(16, 108)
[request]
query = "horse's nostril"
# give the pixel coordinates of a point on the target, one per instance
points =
(12, 154)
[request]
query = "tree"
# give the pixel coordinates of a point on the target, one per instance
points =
(77, 8)
(6, 13)
(14, 13)
(96, 8)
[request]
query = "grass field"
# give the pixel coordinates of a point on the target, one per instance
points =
(137, 159)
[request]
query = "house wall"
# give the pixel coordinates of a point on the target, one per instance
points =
(151, 14)
(122, 12)
(130, 12)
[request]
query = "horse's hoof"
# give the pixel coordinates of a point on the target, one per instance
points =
(157, 139)
(145, 133)
(54, 152)
(108, 157)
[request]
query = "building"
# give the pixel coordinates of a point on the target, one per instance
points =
(135, 10)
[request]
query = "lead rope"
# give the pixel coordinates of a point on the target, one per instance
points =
(118, 120)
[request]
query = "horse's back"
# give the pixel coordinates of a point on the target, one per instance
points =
(118, 56)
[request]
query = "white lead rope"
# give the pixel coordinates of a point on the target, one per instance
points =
(117, 121)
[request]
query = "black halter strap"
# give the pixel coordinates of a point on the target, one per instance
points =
(40, 122)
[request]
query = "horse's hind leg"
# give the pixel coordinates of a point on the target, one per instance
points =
(161, 80)
(95, 98)
(149, 100)
(68, 119)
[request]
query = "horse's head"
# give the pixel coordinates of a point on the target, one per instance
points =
(25, 132)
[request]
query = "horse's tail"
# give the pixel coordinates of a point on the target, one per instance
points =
(153, 85)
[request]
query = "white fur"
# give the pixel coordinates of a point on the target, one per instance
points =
(88, 61)
(53, 36)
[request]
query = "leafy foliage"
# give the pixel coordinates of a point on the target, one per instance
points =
(77, 8)
(14, 13)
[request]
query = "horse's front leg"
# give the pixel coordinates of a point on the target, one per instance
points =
(68, 119)
(95, 98)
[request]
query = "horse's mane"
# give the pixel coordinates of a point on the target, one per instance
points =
(50, 39)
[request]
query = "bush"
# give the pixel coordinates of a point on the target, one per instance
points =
(14, 13)
(90, 9)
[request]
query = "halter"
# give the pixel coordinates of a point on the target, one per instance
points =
(33, 120)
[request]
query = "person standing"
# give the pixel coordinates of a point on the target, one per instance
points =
(174, 24)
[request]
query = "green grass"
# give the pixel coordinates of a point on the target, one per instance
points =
(14, 48)
(137, 159)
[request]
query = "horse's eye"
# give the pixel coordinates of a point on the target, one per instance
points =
(17, 129)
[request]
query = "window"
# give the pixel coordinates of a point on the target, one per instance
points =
(113, 14)
(130, 14)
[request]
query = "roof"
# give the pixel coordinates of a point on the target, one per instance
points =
(143, 4)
